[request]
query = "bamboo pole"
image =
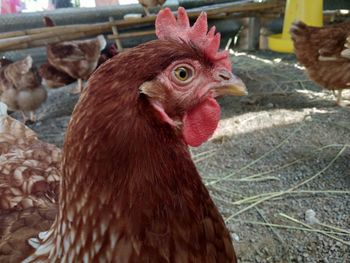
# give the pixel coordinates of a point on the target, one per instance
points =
(116, 33)
(152, 32)
(52, 40)
(58, 30)
(46, 38)
(331, 15)
(132, 34)
(243, 6)
(227, 8)
(48, 35)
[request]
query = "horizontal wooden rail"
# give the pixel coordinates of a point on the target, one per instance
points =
(48, 35)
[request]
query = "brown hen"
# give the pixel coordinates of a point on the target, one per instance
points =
(28, 182)
(130, 191)
(54, 78)
(20, 87)
(151, 3)
(108, 52)
(321, 51)
(77, 58)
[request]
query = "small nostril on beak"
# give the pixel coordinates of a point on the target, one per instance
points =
(225, 75)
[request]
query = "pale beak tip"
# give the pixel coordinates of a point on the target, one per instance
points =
(230, 84)
(239, 88)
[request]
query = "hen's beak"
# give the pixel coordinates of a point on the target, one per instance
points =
(229, 85)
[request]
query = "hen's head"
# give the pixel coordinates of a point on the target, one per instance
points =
(23, 73)
(184, 92)
(166, 86)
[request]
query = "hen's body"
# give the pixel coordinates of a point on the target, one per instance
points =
(53, 78)
(319, 50)
(153, 203)
(20, 86)
(129, 190)
(77, 58)
(28, 188)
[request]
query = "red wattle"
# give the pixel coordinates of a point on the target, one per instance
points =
(200, 122)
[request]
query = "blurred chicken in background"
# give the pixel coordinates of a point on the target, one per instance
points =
(20, 87)
(54, 78)
(324, 51)
(108, 52)
(78, 58)
(4, 62)
(151, 3)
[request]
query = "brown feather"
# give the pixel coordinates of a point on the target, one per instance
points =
(146, 173)
(17, 226)
(76, 58)
(129, 190)
(20, 86)
(54, 78)
(313, 43)
(29, 181)
(48, 21)
(28, 167)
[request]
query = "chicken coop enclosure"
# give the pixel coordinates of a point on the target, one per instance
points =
(277, 167)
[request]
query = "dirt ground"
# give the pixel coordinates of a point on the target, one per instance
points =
(286, 146)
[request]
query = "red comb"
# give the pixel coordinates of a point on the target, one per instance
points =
(167, 27)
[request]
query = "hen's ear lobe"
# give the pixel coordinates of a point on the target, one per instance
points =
(153, 89)
(146, 88)
(155, 93)
(162, 113)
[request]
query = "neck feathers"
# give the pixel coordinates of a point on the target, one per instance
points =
(123, 169)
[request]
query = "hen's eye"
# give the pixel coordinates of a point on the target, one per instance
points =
(183, 73)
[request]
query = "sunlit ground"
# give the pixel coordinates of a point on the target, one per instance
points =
(278, 153)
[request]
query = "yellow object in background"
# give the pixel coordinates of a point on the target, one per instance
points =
(308, 11)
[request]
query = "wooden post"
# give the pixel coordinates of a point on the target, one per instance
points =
(132, 34)
(249, 33)
(115, 32)
(254, 32)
